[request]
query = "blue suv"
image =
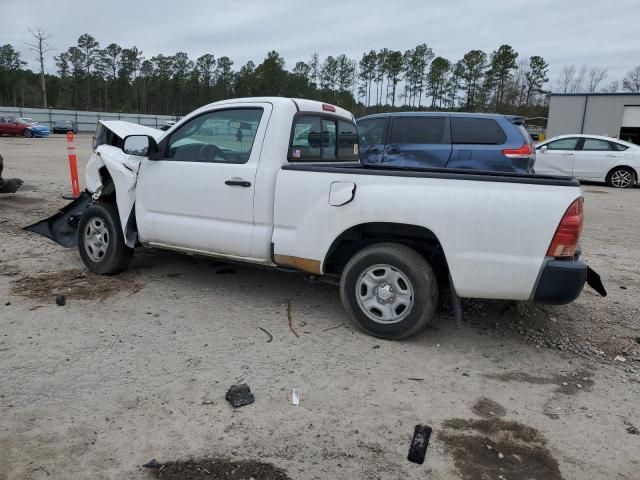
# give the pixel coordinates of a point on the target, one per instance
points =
(470, 141)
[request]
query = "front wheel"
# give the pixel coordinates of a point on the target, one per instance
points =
(27, 133)
(389, 290)
(621, 177)
(101, 241)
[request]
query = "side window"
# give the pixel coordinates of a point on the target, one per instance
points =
(224, 136)
(618, 147)
(372, 131)
(563, 144)
(317, 138)
(595, 145)
(476, 131)
(418, 130)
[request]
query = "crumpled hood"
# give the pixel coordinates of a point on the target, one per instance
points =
(123, 129)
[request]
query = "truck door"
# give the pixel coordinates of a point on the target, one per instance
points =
(418, 141)
(199, 195)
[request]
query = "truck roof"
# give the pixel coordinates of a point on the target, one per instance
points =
(301, 105)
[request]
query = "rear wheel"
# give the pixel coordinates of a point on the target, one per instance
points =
(389, 290)
(27, 133)
(101, 241)
(621, 177)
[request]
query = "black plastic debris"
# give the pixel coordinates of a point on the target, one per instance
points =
(239, 395)
(419, 444)
(633, 430)
(152, 464)
(61, 300)
(62, 227)
(225, 271)
(594, 281)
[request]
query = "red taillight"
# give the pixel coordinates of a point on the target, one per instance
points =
(525, 151)
(565, 241)
(328, 108)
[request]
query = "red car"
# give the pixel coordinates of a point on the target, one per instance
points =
(16, 126)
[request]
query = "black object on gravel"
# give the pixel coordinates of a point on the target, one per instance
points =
(61, 300)
(239, 395)
(419, 444)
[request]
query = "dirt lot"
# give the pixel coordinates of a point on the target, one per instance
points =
(135, 367)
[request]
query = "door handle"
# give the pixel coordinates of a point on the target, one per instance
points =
(237, 182)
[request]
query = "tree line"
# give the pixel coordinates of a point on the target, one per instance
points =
(123, 79)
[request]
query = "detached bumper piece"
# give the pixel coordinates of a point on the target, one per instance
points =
(561, 282)
(62, 227)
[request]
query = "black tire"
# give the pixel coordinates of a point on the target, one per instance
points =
(27, 133)
(421, 282)
(109, 259)
(616, 177)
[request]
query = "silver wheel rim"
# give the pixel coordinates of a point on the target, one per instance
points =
(384, 294)
(621, 178)
(27, 133)
(96, 239)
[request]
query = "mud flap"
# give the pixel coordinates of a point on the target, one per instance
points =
(593, 280)
(62, 227)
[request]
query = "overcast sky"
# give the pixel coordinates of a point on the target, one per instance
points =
(592, 32)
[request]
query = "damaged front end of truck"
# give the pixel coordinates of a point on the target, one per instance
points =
(110, 174)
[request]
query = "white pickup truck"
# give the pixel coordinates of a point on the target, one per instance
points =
(278, 182)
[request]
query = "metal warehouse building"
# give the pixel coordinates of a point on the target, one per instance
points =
(611, 114)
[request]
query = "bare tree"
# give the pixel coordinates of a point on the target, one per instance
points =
(631, 82)
(613, 87)
(596, 76)
(41, 47)
(566, 78)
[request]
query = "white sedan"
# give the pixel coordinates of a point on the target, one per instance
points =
(590, 157)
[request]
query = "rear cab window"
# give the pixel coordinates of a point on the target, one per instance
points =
(322, 138)
(476, 131)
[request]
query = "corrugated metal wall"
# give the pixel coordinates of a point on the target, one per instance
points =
(86, 121)
(603, 114)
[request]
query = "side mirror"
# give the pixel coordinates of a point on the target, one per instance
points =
(543, 149)
(140, 145)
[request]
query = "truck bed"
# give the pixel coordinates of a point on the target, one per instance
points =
(444, 173)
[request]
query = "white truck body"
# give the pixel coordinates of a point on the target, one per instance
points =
(493, 230)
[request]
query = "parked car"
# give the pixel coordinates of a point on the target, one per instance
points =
(590, 157)
(472, 141)
(16, 126)
(64, 126)
(277, 182)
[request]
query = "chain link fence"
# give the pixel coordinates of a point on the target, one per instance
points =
(85, 121)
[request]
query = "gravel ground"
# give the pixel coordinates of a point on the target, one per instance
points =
(135, 367)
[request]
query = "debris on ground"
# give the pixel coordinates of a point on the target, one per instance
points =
(225, 271)
(419, 444)
(61, 300)
(295, 397)
(74, 283)
(290, 318)
(152, 464)
(487, 408)
(517, 451)
(8, 185)
(265, 331)
(239, 395)
(632, 429)
(220, 469)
